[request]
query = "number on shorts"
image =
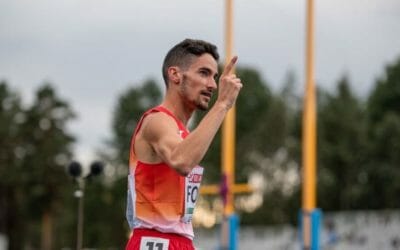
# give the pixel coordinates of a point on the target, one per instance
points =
(159, 246)
(154, 243)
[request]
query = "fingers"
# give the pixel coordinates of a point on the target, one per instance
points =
(237, 82)
(234, 79)
(228, 68)
(229, 85)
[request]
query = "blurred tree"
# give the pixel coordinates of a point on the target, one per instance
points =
(383, 174)
(48, 149)
(36, 148)
(385, 96)
(105, 228)
(12, 155)
(266, 143)
(255, 120)
(342, 145)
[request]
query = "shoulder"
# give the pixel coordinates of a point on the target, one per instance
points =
(158, 123)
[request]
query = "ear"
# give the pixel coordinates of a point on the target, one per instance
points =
(174, 74)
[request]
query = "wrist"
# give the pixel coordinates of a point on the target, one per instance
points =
(221, 106)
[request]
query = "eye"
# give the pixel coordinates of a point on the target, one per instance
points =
(204, 72)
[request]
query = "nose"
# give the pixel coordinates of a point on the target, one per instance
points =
(212, 84)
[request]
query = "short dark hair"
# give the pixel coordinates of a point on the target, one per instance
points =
(182, 54)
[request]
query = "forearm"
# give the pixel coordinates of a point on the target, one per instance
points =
(192, 149)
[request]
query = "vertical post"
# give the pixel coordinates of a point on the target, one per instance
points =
(75, 170)
(228, 128)
(230, 223)
(309, 118)
(310, 216)
(80, 195)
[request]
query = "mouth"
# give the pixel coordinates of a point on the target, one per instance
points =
(206, 93)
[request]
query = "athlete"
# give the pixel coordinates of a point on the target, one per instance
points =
(164, 175)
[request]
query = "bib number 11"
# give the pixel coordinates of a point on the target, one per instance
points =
(154, 243)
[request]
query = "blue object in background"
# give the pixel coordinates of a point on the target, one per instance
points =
(315, 221)
(229, 233)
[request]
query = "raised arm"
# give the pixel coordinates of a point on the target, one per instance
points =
(161, 131)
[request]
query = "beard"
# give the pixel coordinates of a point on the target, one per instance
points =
(202, 107)
(197, 102)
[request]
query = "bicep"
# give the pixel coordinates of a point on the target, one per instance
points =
(161, 132)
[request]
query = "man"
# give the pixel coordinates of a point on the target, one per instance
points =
(164, 176)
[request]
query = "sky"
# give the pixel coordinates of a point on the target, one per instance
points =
(93, 50)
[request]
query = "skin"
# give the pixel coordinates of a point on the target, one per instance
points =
(189, 89)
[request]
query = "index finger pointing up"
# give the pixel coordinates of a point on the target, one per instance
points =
(228, 68)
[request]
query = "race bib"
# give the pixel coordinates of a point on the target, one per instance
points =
(153, 243)
(192, 189)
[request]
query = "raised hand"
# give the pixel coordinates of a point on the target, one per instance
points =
(229, 85)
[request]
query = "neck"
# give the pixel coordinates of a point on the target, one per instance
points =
(175, 104)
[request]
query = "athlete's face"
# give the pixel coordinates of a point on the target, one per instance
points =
(198, 82)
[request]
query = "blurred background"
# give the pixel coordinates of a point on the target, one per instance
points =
(75, 76)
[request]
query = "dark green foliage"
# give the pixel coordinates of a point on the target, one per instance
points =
(383, 169)
(11, 160)
(342, 146)
(105, 226)
(385, 97)
(36, 149)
